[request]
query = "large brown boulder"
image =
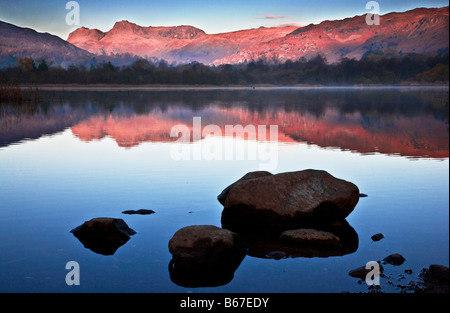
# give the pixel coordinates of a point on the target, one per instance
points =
(261, 200)
(103, 235)
(204, 255)
(252, 175)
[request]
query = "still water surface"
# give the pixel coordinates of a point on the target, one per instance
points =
(80, 154)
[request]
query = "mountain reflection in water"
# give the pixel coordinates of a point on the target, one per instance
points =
(407, 122)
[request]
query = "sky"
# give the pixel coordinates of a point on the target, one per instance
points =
(212, 16)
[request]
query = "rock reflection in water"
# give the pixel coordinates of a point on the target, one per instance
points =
(278, 249)
(204, 261)
(204, 256)
(185, 277)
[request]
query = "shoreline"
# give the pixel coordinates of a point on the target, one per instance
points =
(156, 87)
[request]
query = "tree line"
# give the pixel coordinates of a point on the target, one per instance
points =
(374, 69)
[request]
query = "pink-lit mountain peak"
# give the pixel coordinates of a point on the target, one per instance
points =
(86, 33)
(127, 37)
(171, 32)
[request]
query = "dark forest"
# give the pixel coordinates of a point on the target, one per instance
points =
(411, 68)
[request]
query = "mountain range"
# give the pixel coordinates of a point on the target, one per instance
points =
(180, 44)
(421, 31)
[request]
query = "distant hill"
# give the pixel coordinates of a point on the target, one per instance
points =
(18, 42)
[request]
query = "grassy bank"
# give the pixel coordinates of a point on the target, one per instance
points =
(18, 94)
(210, 86)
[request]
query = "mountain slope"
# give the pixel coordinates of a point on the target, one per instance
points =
(18, 42)
(415, 31)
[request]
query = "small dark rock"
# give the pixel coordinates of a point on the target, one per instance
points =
(277, 255)
(411, 286)
(394, 259)
(408, 271)
(375, 289)
(377, 237)
(362, 195)
(141, 212)
(103, 235)
(361, 272)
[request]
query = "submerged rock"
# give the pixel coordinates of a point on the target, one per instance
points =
(261, 247)
(204, 255)
(310, 236)
(103, 235)
(263, 201)
(277, 255)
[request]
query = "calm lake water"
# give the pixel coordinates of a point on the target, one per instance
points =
(79, 154)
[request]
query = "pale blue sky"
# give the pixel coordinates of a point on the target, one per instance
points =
(211, 16)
